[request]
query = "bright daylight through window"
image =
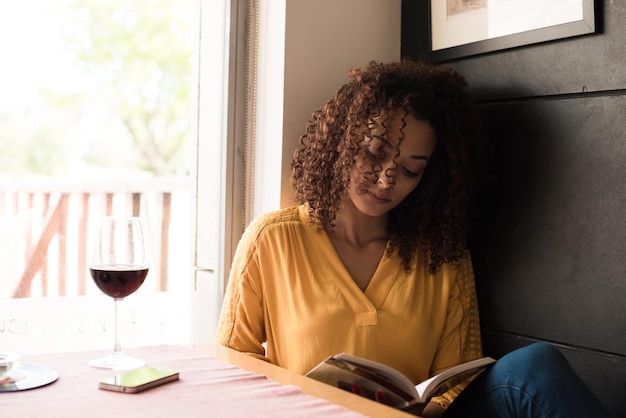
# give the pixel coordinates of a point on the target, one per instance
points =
(95, 119)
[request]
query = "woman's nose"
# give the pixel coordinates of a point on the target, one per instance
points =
(387, 177)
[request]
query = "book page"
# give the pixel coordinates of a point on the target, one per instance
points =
(443, 382)
(360, 381)
(386, 372)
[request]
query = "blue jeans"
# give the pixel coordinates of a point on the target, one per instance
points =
(533, 382)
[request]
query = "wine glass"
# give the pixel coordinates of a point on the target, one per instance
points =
(119, 265)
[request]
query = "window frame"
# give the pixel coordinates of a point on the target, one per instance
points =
(220, 135)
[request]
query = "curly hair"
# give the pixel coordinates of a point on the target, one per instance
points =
(434, 219)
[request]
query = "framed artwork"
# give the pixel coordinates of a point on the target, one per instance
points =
(460, 28)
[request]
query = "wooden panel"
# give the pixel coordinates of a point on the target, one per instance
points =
(550, 254)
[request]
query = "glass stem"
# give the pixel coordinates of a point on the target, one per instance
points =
(117, 349)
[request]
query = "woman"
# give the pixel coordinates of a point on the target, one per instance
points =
(374, 260)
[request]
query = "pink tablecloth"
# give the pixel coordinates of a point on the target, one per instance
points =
(208, 387)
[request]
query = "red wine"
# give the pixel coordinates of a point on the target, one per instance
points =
(118, 281)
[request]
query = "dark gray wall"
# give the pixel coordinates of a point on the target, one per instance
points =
(550, 254)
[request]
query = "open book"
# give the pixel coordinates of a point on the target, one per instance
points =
(387, 385)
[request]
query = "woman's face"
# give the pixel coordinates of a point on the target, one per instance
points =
(398, 174)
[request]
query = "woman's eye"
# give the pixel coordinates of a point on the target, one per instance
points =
(410, 173)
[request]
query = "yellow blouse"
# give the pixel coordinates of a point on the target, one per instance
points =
(288, 288)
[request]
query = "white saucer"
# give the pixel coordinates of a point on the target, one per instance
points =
(28, 376)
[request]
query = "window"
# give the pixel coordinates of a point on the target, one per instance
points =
(115, 106)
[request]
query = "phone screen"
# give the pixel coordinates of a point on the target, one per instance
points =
(138, 380)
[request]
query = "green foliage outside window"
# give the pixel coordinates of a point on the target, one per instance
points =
(112, 97)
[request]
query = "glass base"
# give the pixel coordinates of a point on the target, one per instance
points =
(117, 361)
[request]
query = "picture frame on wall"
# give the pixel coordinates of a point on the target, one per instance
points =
(461, 28)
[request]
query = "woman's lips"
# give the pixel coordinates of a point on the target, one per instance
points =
(378, 199)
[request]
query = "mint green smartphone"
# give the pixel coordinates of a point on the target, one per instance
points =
(138, 380)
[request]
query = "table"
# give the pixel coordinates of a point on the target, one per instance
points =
(214, 381)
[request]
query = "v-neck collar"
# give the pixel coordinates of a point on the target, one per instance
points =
(364, 304)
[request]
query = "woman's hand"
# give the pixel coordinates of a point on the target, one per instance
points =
(432, 410)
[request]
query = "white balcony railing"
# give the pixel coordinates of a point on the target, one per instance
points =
(46, 228)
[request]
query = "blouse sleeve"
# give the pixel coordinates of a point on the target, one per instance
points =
(461, 341)
(241, 324)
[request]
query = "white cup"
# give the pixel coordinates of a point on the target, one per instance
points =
(8, 363)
